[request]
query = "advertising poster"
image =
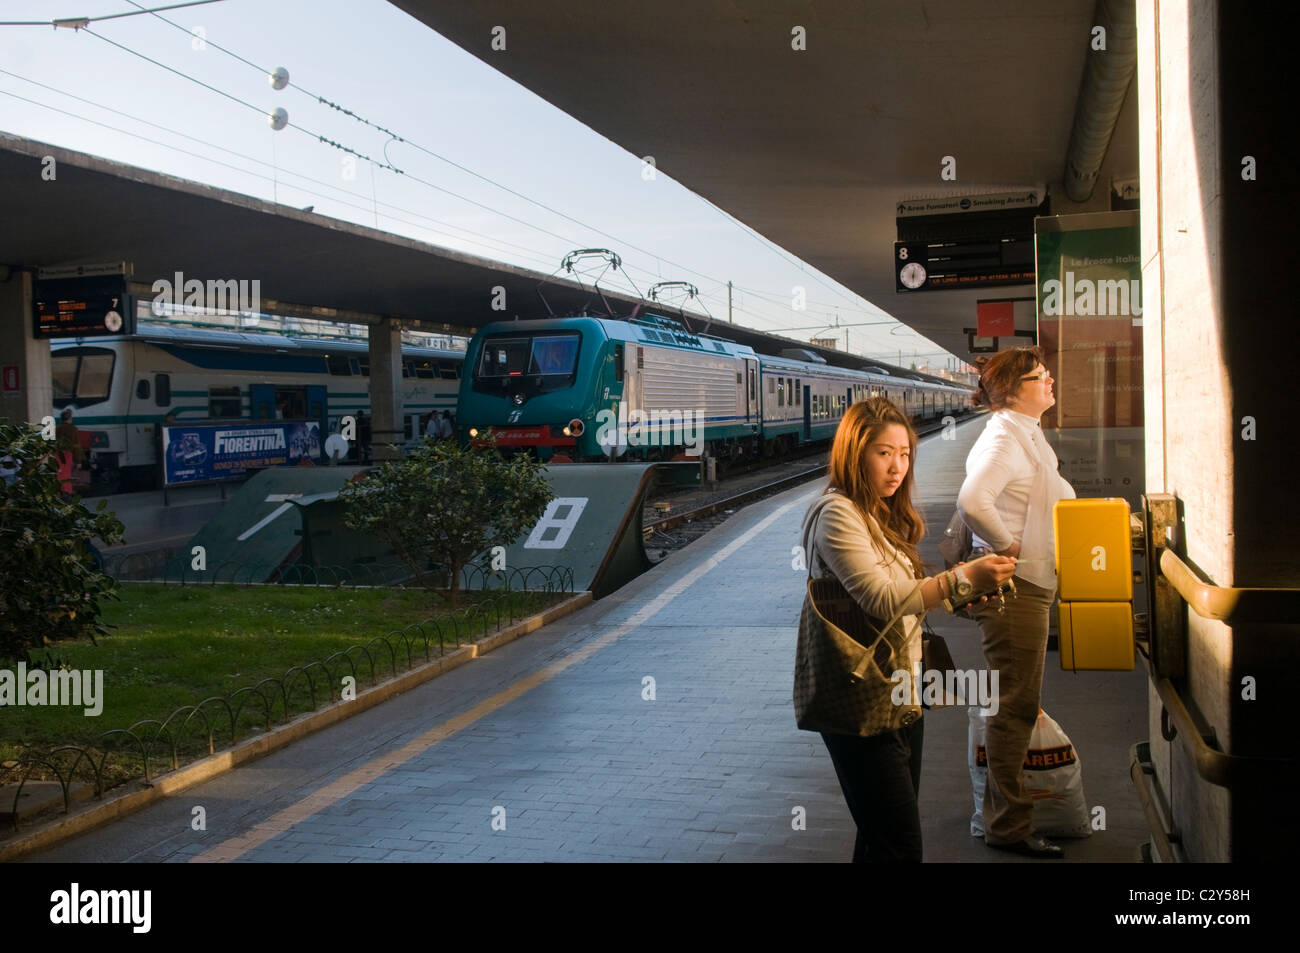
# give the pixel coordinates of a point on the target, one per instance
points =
(200, 452)
(1090, 327)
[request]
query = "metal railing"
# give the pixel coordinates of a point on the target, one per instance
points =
(215, 722)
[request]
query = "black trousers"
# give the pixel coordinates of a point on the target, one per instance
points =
(881, 777)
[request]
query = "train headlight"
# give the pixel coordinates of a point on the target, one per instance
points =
(473, 431)
(575, 428)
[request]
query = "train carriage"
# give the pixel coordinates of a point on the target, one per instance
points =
(121, 388)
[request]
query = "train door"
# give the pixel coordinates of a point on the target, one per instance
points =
(262, 401)
(807, 412)
(316, 404)
(752, 409)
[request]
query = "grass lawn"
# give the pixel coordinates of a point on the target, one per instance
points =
(175, 646)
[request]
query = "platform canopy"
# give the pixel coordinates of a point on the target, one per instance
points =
(815, 149)
(308, 264)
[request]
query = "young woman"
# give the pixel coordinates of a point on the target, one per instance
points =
(866, 536)
(1007, 498)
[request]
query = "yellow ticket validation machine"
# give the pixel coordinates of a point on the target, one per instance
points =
(1095, 571)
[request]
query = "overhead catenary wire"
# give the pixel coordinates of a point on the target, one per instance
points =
(79, 22)
(568, 240)
(486, 241)
(873, 310)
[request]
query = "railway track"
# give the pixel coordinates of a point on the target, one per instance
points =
(670, 532)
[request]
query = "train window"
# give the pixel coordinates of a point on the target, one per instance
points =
(224, 403)
(406, 369)
(81, 376)
(363, 364)
(447, 370)
(798, 392)
(340, 365)
(554, 354)
(162, 389)
(142, 389)
(425, 369)
(780, 392)
(95, 376)
(542, 355)
(771, 385)
(64, 368)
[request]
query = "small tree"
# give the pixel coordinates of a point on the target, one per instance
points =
(49, 586)
(447, 504)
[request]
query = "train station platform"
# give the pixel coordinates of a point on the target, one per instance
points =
(559, 747)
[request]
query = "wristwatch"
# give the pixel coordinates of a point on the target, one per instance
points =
(964, 586)
(947, 587)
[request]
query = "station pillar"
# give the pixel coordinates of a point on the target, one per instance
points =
(28, 389)
(1219, 190)
(386, 389)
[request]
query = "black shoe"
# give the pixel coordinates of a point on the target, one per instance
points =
(1033, 846)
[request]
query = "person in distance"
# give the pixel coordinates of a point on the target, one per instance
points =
(866, 536)
(1007, 498)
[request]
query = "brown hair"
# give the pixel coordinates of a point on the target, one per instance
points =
(894, 518)
(1000, 374)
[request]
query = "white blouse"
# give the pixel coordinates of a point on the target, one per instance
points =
(1011, 485)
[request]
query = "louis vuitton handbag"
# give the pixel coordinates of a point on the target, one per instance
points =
(844, 663)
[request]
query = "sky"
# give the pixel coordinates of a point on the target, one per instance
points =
(478, 147)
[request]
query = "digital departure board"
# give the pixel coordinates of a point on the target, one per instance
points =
(931, 266)
(83, 307)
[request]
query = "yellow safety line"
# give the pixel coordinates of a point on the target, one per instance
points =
(341, 788)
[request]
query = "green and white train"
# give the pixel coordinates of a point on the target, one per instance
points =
(591, 388)
(121, 388)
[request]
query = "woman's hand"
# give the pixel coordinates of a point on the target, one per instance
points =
(989, 572)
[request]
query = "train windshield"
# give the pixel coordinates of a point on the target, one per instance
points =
(546, 355)
(82, 375)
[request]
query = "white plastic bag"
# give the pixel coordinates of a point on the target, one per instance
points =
(1052, 776)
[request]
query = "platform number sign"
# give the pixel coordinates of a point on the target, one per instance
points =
(557, 523)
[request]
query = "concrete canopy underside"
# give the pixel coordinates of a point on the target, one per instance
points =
(98, 210)
(814, 149)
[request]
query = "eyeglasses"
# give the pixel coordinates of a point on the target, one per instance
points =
(1037, 377)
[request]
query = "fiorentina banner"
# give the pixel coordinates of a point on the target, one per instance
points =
(198, 452)
(1089, 277)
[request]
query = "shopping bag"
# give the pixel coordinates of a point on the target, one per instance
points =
(1052, 775)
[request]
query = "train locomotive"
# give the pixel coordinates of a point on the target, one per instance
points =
(646, 388)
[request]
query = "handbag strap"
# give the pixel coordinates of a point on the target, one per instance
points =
(810, 547)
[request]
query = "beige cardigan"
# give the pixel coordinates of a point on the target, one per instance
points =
(880, 581)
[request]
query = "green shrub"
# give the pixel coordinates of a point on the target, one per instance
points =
(50, 588)
(444, 504)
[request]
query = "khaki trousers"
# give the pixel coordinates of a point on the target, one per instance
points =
(1015, 644)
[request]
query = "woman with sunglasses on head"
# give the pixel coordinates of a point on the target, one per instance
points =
(865, 535)
(1011, 486)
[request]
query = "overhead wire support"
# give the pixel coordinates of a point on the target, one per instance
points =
(80, 23)
(391, 166)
